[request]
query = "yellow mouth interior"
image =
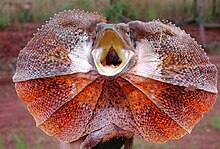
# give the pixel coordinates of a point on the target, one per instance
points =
(111, 54)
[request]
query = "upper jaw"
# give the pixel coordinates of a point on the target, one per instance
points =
(111, 54)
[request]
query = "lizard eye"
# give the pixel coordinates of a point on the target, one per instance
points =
(128, 32)
(97, 29)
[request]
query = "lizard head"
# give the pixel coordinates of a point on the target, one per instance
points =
(113, 48)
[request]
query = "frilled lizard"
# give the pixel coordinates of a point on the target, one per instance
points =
(84, 78)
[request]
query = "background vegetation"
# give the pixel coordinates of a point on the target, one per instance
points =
(16, 13)
(115, 10)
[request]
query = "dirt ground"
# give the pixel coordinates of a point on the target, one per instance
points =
(17, 123)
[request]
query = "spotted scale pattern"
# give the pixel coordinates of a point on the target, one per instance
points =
(46, 95)
(184, 107)
(174, 56)
(68, 123)
(112, 107)
(162, 94)
(153, 123)
(58, 47)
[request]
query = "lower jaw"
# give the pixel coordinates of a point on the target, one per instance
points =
(111, 70)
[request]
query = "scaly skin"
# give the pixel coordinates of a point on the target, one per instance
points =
(161, 89)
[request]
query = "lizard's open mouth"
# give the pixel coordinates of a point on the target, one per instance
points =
(111, 58)
(111, 54)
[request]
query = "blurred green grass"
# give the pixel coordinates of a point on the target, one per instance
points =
(18, 11)
(1, 144)
(21, 143)
(215, 123)
(20, 140)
